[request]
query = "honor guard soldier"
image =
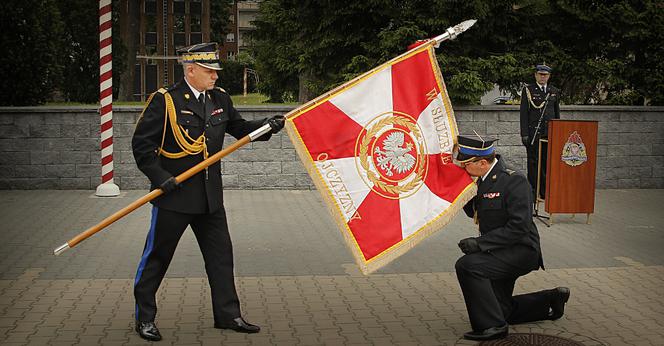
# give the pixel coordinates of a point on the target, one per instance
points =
(508, 247)
(181, 126)
(539, 104)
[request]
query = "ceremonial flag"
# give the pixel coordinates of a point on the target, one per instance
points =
(379, 149)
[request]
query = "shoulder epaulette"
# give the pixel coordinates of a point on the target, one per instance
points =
(162, 91)
(510, 171)
(220, 89)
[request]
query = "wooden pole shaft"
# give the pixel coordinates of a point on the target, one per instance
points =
(156, 193)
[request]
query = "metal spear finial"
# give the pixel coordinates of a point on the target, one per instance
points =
(454, 31)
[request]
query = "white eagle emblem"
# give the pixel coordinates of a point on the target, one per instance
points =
(395, 155)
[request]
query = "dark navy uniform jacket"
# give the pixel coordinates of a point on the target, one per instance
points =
(530, 115)
(201, 193)
(504, 211)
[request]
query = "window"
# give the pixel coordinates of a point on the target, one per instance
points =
(179, 39)
(150, 7)
(178, 22)
(150, 23)
(195, 37)
(178, 7)
(195, 7)
(150, 38)
(150, 50)
(230, 37)
(195, 22)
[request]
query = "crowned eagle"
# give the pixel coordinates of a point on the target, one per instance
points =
(394, 155)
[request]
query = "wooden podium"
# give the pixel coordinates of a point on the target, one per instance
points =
(571, 167)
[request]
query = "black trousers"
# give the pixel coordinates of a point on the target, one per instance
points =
(532, 152)
(211, 231)
(487, 285)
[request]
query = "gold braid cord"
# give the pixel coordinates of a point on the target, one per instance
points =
(530, 99)
(393, 189)
(188, 145)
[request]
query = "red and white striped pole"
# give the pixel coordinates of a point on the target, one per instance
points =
(107, 187)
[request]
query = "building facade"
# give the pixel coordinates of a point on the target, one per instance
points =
(241, 16)
(247, 11)
(154, 30)
(159, 29)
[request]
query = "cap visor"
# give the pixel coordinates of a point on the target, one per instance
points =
(212, 66)
(461, 157)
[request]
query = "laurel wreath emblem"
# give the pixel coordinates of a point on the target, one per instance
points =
(420, 170)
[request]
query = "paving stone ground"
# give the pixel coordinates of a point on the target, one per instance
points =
(298, 281)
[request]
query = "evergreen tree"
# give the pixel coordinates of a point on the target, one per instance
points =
(31, 65)
(602, 52)
(81, 68)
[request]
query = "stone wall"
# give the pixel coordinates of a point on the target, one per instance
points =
(58, 147)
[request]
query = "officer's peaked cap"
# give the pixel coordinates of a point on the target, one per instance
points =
(473, 146)
(203, 54)
(542, 68)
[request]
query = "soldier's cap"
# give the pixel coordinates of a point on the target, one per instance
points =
(472, 146)
(541, 68)
(202, 54)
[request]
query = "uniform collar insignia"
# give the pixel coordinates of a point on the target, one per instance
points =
(186, 96)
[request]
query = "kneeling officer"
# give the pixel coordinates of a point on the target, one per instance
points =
(508, 247)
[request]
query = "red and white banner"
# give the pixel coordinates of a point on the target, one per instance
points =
(379, 149)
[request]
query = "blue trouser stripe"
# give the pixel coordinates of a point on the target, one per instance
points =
(148, 249)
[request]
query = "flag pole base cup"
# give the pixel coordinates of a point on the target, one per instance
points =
(107, 190)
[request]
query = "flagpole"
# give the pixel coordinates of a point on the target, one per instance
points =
(450, 34)
(158, 192)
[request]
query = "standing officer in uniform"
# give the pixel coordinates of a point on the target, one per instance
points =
(180, 127)
(539, 104)
(508, 247)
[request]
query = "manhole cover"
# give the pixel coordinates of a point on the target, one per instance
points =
(532, 339)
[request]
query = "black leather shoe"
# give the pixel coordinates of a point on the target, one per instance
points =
(148, 331)
(488, 334)
(559, 296)
(239, 325)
